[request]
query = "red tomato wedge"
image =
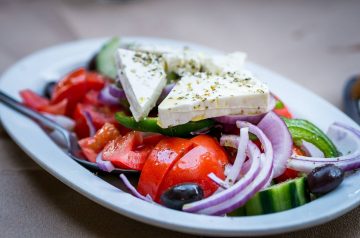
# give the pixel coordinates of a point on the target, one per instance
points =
(194, 167)
(41, 104)
(159, 162)
(75, 86)
(91, 146)
(281, 109)
(99, 114)
(127, 152)
(33, 100)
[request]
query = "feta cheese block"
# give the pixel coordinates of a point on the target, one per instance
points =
(183, 62)
(222, 64)
(152, 48)
(143, 78)
(203, 95)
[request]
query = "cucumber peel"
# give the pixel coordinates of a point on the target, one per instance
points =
(276, 198)
(105, 59)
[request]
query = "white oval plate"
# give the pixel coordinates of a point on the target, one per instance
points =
(49, 64)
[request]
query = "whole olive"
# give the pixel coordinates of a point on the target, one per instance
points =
(324, 179)
(92, 63)
(49, 89)
(175, 197)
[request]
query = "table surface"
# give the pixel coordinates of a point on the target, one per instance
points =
(315, 43)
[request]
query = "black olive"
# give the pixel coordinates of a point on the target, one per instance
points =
(49, 88)
(175, 197)
(92, 63)
(324, 179)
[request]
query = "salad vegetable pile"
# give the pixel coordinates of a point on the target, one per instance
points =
(205, 135)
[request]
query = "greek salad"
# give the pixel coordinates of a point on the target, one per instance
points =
(205, 134)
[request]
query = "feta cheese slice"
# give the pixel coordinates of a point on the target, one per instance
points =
(183, 62)
(222, 64)
(143, 78)
(152, 48)
(203, 95)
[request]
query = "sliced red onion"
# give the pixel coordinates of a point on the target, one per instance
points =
(240, 157)
(233, 142)
(90, 123)
(218, 181)
(106, 166)
(254, 119)
(345, 138)
(227, 169)
(63, 121)
(209, 205)
(133, 189)
(106, 98)
(276, 130)
(116, 92)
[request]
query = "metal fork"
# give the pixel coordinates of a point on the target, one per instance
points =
(72, 147)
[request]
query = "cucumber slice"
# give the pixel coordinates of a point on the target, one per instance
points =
(277, 198)
(105, 59)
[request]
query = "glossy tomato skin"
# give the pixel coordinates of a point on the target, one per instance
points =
(281, 109)
(128, 152)
(99, 114)
(41, 104)
(159, 162)
(74, 87)
(91, 146)
(207, 157)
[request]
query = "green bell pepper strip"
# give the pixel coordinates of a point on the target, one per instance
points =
(150, 124)
(305, 130)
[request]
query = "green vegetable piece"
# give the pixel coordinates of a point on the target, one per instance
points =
(150, 124)
(305, 130)
(279, 105)
(277, 198)
(105, 59)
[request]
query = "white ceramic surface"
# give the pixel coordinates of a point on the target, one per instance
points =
(49, 64)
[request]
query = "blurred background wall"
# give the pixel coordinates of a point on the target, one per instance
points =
(315, 43)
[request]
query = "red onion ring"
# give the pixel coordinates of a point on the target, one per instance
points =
(90, 123)
(133, 190)
(240, 157)
(116, 92)
(107, 98)
(106, 166)
(276, 130)
(209, 205)
(341, 135)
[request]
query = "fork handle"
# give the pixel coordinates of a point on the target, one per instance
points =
(19, 107)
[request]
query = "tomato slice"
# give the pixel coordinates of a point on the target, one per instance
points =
(99, 114)
(41, 104)
(75, 86)
(212, 146)
(33, 100)
(123, 152)
(153, 139)
(56, 109)
(159, 162)
(281, 109)
(194, 167)
(91, 146)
